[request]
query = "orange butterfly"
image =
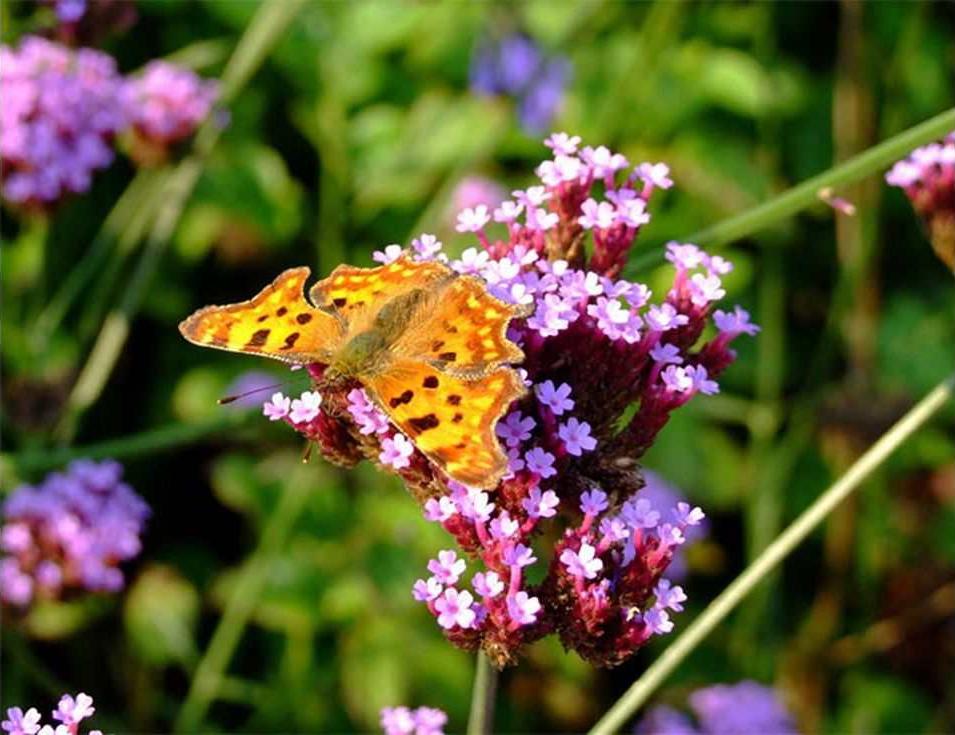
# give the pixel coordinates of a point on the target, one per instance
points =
(429, 347)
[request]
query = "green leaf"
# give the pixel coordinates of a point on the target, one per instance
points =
(160, 616)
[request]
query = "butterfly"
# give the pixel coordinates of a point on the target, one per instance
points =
(429, 347)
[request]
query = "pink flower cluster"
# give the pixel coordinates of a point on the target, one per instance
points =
(63, 108)
(166, 103)
(60, 113)
(605, 365)
(69, 534)
(927, 176)
(70, 712)
(420, 721)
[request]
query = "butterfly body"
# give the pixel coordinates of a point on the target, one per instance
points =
(428, 346)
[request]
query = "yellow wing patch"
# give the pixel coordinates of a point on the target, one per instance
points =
(278, 322)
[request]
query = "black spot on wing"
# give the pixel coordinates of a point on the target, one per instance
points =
(423, 423)
(454, 400)
(430, 382)
(403, 398)
(259, 338)
(303, 318)
(448, 356)
(283, 310)
(290, 341)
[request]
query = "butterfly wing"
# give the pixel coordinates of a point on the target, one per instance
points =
(463, 331)
(358, 293)
(450, 418)
(278, 323)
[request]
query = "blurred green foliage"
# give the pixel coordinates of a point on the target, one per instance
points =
(352, 136)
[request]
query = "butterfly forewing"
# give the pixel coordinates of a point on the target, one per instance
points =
(354, 291)
(465, 333)
(278, 322)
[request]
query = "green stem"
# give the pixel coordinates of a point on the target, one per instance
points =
(37, 461)
(806, 194)
(211, 671)
(130, 203)
(481, 718)
(778, 550)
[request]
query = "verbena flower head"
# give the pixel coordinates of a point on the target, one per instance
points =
(606, 363)
(165, 106)
(515, 66)
(69, 534)
(420, 721)
(724, 709)
(927, 176)
(67, 716)
(61, 109)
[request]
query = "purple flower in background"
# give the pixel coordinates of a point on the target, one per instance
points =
(69, 533)
(61, 109)
(475, 191)
(405, 721)
(516, 67)
(165, 106)
(662, 494)
(69, 11)
(248, 389)
(723, 709)
(70, 712)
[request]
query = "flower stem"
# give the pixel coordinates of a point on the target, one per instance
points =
(210, 674)
(806, 194)
(778, 550)
(481, 718)
(148, 442)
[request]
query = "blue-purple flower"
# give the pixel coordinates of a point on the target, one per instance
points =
(516, 67)
(724, 709)
(69, 534)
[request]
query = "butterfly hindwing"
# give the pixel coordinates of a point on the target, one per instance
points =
(277, 322)
(465, 332)
(451, 419)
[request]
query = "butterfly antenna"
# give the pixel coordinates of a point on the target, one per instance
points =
(229, 399)
(307, 454)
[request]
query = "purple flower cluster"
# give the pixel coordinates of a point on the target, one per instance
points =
(515, 66)
(724, 709)
(928, 178)
(62, 110)
(405, 721)
(70, 712)
(69, 534)
(60, 113)
(605, 365)
(165, 105)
